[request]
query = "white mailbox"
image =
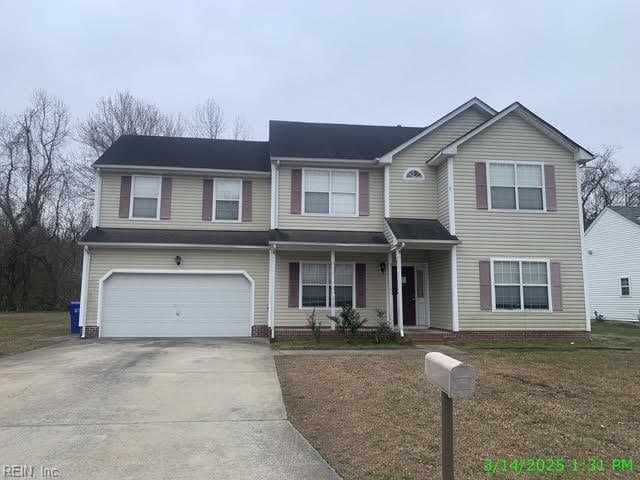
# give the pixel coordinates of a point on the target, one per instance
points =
(456, 379)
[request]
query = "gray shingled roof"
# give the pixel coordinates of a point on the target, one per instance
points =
(419, 229)
(149, 151)
(631, 213)
(186, 237)
(335, 140)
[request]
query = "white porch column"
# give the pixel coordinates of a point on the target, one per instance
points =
(399, 293)
(390, 312)
(271, 319)
(333, 287)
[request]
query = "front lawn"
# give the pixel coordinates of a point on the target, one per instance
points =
(375, 417)
(20, 332)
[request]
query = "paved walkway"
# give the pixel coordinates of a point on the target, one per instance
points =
(159, 409)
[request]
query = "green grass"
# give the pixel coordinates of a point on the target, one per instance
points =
(604, 336)
(336, 343)
(20, 332)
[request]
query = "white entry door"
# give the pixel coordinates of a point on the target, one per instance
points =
(176, 305)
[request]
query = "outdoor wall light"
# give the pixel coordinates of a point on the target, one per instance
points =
(178, 260)
(383, 266)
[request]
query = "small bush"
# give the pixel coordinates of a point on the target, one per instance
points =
(598, 317)
(315, 325)
(383, 330)
(349, 321)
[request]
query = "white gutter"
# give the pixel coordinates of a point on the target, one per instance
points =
(86, 268)
(97, 198)
(172, 245)
(220, 171)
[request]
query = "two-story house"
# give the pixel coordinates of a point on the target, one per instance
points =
(470, 227)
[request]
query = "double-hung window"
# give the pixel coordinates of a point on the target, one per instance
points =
(516, 186)
(330, 192)
(315, 282)
(521, 285)
(145, 197)
(625, 287)
(227, 199)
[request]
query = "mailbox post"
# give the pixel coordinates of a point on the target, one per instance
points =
(456, 380)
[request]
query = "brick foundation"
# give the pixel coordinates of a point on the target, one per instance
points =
(260, 331)
(291, 333)
(492, 335)
(439, 336)
(91, 331)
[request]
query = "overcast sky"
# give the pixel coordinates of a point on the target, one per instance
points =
(574, 63)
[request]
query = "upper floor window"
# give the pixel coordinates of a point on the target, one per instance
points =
(413, 174)
(516, 186)
(330, 192)
(227, 195)
(521, 285)
(625, 287)
(145, 197)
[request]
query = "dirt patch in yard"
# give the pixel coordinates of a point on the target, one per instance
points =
(375, 417)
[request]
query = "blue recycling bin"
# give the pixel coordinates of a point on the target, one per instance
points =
(74, 316)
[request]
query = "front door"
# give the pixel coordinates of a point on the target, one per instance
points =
(408, 295)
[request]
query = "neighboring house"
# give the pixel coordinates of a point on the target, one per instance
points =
(612, 261)
(479, 213)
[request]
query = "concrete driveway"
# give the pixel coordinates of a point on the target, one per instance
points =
(154, 409)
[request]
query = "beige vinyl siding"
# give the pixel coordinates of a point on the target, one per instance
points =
(255, 263)
(440, 289)
(371, 222)
(410, 199)
(443, 194)
(485, 234)
(186, 206)
(376, 286)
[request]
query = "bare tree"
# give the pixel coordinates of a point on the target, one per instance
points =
(241, 129)
(123, 114)
(630, 188)
(34, 181)
(600, 184)
(207, 120)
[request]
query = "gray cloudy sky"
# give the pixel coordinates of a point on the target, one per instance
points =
(575, 63)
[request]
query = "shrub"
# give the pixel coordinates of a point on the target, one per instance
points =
(315, 325)
(598, 317)
(383, 330)
(349, 321)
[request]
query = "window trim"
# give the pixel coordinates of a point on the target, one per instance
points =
(522, 309)
(329, 214)
(327, 285)
(133, 196)
(628, 278)
(422, 178)
(515, 173)
(213, 213)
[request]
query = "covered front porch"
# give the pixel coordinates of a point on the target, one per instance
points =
(410, 281)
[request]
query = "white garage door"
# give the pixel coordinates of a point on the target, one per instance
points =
(176, 305)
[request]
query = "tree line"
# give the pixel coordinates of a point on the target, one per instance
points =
(46, 185)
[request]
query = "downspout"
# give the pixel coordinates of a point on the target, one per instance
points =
(86, 268)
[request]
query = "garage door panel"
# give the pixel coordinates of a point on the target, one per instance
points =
(176, 305)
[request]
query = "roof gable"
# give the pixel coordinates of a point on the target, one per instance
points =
(628, 214)
(581, 154)
(473, 103)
